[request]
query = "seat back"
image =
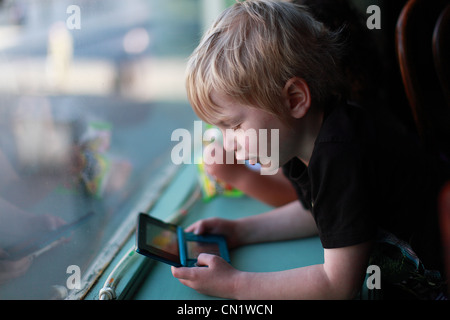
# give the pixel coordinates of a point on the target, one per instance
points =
(414, 44)
(444, 220)
(441, 51)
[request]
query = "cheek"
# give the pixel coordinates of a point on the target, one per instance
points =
(248, 142)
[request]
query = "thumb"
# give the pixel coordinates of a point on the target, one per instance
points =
(205, 259)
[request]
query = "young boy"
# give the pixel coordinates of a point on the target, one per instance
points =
(270, 65)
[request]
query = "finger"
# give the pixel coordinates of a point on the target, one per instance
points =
(182, 273)
(192, 228)
(205, 259)
(186, 282)
(199, 227)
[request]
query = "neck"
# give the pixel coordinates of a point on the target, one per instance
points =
(310, 127)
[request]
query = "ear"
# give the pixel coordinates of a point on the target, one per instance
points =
(297, 97)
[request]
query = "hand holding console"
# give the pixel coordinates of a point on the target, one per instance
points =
(170, 244)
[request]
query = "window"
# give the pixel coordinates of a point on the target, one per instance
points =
(90, 92)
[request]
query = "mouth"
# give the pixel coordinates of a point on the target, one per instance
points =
(266, 167)
(249, 158)
(262, 162)
(252, 161)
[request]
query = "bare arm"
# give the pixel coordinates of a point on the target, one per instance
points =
(274, 190)
(290, 221)
(339, 277)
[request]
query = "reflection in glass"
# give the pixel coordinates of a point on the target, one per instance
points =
(86, 117)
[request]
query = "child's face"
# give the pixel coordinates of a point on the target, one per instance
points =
(239, 120)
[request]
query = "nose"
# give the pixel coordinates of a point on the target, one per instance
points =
(229, 142)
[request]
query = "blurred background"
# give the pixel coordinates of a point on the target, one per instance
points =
(90, 92)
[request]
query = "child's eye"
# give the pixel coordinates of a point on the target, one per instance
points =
(236, 127)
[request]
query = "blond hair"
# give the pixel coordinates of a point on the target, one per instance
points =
(253, 49)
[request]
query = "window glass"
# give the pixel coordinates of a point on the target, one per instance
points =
(90, 92)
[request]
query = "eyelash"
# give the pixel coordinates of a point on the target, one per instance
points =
(236, 127)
